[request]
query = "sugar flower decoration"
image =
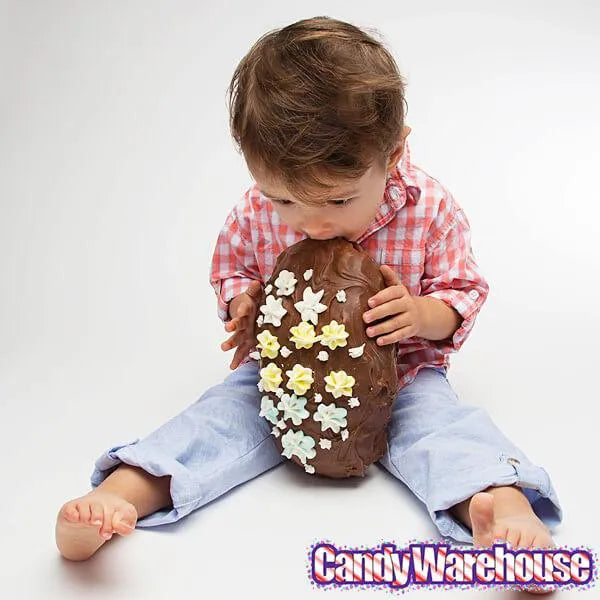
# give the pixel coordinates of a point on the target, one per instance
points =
(330, 417)
(339, 383)
(301, 378)
(268, 289)
(309, 469)
(318, 397)
(275, 431)
(356, 352)
(308, 274)
(310, 307)
(268, 411)
(259, 320)
(303, 335)
(285, 351)
(322, 356)
(325, 443)
(255, 355)
(279, 392)
(285, 283)
(353, 402)
(344, 434)
(270, 377)
(293, 408)
(341, 296)
(273, 310)
(269, 344)
(298, 443)
(334, 335)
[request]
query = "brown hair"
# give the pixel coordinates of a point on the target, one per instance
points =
(316, 101)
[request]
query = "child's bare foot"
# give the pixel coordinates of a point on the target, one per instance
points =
(85, 523)
(503, 513)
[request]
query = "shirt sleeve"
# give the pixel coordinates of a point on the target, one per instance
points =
(452, 275)
(234, 265)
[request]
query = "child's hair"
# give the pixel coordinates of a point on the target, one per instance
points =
(314, 102)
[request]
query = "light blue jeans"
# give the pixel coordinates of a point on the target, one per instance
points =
(444, 451)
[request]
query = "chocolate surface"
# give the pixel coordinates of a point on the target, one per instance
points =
(337, 265)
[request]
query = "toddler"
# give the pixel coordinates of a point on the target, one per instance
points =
(318, 111)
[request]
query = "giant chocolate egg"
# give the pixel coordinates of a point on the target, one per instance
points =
(327, 388)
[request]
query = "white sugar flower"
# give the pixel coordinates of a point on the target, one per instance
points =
(309, 469)
(296, 442)
(356, 352)
(341, 296)
(285, 351)
(285, 283)
(318, 397)
(293, 408)
(268, 289)
(308, 274)
(322, 356)
(345, 434)
(339, 383)
(310, 307)
(273, 310)
(267, 410)
(281, 424)
(255, 355)
(353, 402)
(325, 443)
(330, 416)
(275, 432)
(259, 320)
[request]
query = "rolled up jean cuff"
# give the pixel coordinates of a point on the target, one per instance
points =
(533, 480)
(180, 481)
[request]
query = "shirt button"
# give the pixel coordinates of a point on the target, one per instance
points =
(513, 461)
(395, 193)
(473, 294)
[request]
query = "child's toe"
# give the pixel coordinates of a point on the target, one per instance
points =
(84, 512)
(123, 521)
(97, 513)
(70, 512)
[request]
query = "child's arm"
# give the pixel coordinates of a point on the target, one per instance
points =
(440, 321)
(453, 290)
(234, 266)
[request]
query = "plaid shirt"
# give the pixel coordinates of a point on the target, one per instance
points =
(419, 230)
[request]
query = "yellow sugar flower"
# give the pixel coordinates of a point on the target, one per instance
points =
(268, 344)
(334, 335)
(303, 335)
(339, 383)
(270, 377)
(301, 378)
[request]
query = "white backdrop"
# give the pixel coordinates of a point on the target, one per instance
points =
(117, 171)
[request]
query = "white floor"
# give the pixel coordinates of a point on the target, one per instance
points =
(116, 173)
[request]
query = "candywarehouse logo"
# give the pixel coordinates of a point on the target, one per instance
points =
(434, 565)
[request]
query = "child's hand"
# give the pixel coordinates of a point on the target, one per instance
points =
(395, 300)
(243, 309)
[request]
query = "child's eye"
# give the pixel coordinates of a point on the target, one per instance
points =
(284, 202)
(342, 202)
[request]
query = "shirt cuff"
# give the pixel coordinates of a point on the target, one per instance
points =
(468, 305)
(229, 289)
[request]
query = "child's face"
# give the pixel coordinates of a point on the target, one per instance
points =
(347, 211)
